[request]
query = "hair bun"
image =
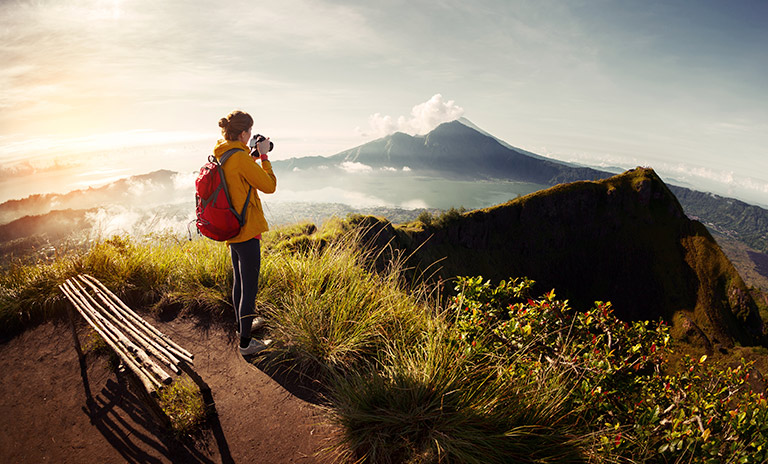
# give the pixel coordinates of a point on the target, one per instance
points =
(235, 124)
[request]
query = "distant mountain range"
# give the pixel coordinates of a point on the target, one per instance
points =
(460, 150)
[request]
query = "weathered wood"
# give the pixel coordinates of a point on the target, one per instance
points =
(136, 342)
(139, 324)
(178, 350)
(145, 379)
(150, 401)
(112, 339)
(148, 341)
(138, 351)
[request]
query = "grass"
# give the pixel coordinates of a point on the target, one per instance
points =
(329, 311)
(400, 378)
(429, 402)
(154, 271)
(183, 403)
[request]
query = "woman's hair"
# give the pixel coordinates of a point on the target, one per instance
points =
(234, 124)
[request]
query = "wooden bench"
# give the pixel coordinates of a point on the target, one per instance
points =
(141, 348)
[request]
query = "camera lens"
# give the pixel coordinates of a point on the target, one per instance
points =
(258, 138)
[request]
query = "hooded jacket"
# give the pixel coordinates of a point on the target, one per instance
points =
(241, 172)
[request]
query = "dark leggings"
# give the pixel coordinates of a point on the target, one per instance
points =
(246, 261)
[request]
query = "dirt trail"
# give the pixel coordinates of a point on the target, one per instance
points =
(45, 417)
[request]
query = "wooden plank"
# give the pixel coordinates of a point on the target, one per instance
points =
(145, 379)
(178, 350)
(133, 348)
(140, 336)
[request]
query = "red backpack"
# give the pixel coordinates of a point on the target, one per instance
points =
(216, 217)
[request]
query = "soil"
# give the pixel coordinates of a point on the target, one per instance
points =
(55, 409)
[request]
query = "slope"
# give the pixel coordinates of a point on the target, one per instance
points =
(623, 239)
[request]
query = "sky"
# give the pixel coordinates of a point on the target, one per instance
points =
(93, 90)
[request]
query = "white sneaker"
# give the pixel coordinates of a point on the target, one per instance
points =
(258, 322)
(255, 346)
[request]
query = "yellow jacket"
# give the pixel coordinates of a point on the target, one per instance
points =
(240, 172)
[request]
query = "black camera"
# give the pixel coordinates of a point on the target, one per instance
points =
(258, 138)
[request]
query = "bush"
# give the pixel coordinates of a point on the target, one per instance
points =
(623, 392)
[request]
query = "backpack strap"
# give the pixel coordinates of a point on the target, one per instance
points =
(223, 159)
(220, 163)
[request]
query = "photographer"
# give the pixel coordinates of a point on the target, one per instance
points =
(244, 178)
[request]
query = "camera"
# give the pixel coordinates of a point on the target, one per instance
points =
(258, 138)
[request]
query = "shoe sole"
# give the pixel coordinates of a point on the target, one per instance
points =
(264, 346)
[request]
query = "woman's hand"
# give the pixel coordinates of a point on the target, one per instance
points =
(263, 146)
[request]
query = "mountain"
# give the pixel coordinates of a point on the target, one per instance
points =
(728, 216)
(152, 189)
(455, 150)
(625, 239)
(461, 150)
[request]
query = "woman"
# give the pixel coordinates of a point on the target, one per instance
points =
(243, 175)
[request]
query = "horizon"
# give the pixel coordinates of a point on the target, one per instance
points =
(104, 90)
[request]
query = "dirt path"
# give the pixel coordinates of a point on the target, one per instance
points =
(45, 417)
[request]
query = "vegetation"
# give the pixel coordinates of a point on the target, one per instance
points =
(490, 374)
(183, 403)
(625, 385)
(440, 220)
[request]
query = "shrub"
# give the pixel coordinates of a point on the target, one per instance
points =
(623, 392)
(426, 218)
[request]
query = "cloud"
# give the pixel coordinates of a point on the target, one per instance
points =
(353, 167)
(424, 117)
(118, 219)
(330, 195)
(184, 182)
(414, 204)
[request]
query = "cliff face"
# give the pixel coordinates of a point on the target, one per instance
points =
(623, 239)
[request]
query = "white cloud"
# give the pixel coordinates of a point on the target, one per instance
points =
(353, 167)
(330, 195)
(415, 204)
(137, 221)
(184, 182)
(424, 117)
(406, 169)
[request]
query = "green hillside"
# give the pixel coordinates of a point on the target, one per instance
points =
(625, 238)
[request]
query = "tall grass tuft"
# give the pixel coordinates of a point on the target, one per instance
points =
(430, 402)
(329, 311)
